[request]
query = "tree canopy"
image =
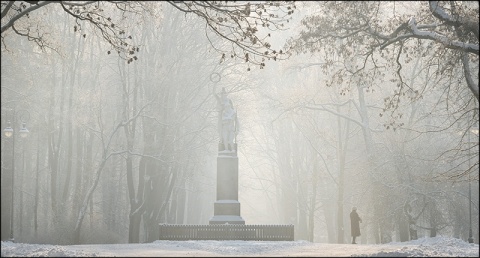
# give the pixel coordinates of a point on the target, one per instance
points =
(245, 25)
(383, 35)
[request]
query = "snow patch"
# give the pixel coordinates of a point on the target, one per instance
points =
(423, 247)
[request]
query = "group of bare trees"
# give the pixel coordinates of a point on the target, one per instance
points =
(327, 152)
(377, 115)
(116, 148)
(401, 97)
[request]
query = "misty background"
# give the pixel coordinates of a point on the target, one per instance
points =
(116, 147)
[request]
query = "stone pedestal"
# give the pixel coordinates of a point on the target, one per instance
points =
(227, 207)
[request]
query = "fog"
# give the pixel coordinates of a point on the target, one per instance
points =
(117, 146)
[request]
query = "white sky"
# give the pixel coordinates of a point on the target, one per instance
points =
(423, 247)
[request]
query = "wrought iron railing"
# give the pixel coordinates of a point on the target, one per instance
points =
(227, 232)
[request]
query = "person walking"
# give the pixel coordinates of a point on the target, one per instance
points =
(355, 224)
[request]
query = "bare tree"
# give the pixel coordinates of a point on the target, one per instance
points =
(107, 152)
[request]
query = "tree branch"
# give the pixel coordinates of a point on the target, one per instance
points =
(10, 23)
(468, 76)
(455, 20)
(7, 8)
(448, 43)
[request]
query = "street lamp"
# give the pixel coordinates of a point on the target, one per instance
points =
(473, 130)
(23, 116)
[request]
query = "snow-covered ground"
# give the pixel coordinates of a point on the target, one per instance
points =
(436, 246)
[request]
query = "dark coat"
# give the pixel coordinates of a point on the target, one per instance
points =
(355, 223)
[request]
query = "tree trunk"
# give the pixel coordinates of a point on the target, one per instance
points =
(80, 135)
(69, 157)
(369, 149)
(330, 222)
(135, 215)
(52, 154)
(313, 201)
(87, 200)
(342, 152)
(180, 196)
(7, 190)
(37, 178)
(134, 228)
(154, 197)
(20, 184)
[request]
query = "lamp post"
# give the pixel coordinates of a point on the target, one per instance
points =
(23, 116)
(470, 234)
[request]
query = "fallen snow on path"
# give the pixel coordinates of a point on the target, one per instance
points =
(424, 247)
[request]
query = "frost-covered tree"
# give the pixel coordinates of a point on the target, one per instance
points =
(377, 43)
(390, 34)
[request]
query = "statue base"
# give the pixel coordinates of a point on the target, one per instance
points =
(227, 211)
(226, 219)
(227, 207)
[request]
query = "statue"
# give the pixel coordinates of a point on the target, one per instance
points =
(227, 121)
(229, 117)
